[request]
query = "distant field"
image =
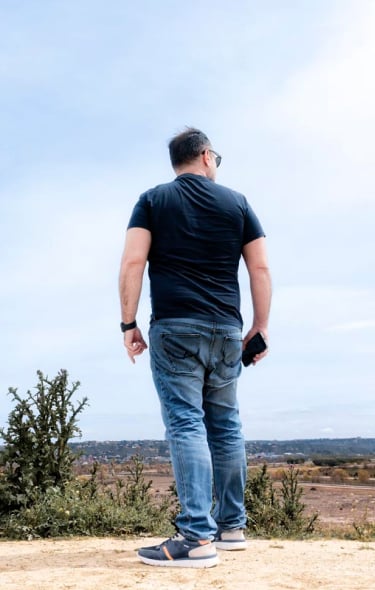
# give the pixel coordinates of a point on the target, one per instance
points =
(338, 499)
(338, 505)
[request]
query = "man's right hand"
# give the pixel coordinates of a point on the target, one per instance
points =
(134, 343)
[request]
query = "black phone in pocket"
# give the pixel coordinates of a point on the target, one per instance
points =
(255, 346)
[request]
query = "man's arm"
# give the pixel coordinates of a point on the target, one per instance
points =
(134, 258)
(255, 257)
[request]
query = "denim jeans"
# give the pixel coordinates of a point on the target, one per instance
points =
(195, 366)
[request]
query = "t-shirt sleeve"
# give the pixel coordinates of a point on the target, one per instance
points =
(252, 227)
(140, 216)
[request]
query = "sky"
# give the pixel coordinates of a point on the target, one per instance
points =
(90, 94)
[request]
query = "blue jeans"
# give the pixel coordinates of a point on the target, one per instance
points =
(195, 366)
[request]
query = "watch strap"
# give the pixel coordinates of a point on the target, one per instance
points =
(126, 327)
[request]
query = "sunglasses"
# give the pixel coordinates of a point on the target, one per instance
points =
(217, 157)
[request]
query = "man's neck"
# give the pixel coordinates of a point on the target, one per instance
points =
(191, 169)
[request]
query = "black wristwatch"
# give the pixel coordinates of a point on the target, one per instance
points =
(126, 327)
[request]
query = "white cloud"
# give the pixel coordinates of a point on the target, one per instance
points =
(93, 100)
(353, 326)
(72, 228)
(327, 107)
(334, 96)
(322, 306)
(327, 431)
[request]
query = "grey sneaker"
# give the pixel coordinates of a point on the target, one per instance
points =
(180, 552)
(231, 540)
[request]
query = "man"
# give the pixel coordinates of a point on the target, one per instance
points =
(193, 232)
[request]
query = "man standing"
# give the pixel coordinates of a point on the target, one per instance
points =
(193, 232)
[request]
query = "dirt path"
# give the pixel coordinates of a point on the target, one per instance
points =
(109, 564)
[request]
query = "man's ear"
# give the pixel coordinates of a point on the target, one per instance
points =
(206, 157)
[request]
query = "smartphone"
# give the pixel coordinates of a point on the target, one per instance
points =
(255, 346)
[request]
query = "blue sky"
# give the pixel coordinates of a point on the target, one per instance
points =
(90, 93)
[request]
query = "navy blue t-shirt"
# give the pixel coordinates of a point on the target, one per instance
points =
(198, 229)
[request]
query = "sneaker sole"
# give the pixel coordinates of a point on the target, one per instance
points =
(231, 545)
(189, 562)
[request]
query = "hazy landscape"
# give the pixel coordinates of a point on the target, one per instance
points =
(154, 450)
(338, 482)
(337, 475)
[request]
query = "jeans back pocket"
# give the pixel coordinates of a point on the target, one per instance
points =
(229, 366)
(182, 352)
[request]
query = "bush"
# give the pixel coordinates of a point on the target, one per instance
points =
(261, 503)
(37, 456)
(363, 475)
(271, 514)
(333, 461)
(91, 509)
(364, 530)
(339, 475)
(39, 496)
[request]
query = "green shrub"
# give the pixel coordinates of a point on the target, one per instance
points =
(92, 509)
(276, 514)
(333, 461)
(36, 455)
(38, 494)
(364, 531)
(261, 503)
(293, 520)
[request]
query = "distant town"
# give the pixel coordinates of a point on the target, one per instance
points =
(293, 451)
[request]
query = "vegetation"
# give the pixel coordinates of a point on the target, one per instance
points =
(37, 456)
(364, 530)
(293, 451)
(39, 496)
(276, 514)
(333, 461)
(340, 447)
(44, 492)
(88, 508)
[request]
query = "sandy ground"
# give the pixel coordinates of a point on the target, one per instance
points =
(108, 564)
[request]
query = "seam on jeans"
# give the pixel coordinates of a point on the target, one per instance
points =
(182, 479)
(210, 365)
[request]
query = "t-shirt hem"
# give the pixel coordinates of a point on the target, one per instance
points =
(226, 321)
